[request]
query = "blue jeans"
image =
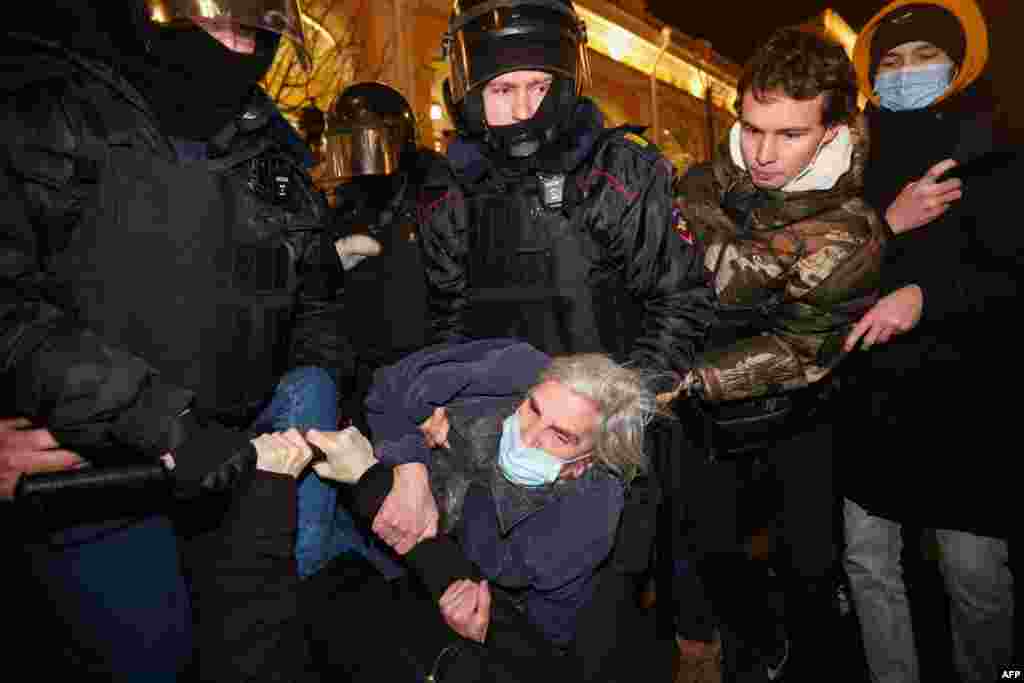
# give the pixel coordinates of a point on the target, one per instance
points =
(978, 580)
(306, 398)
(980, 586)
(118, 598)
(872, 561)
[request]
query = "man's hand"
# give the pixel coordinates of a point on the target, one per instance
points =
(923, 200)
(409, 513)
(893, 314)
(29, 451)
(349, 454)
(282, 453)
(435, 429)
(466, 608)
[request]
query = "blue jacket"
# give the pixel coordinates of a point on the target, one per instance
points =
(542, 546)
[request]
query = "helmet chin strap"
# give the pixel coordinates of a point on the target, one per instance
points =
(524, 148)
(518, 141)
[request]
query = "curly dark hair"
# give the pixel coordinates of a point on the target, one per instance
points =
(802, 64)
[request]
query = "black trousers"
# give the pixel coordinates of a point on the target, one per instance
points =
(394, 632)
(716, 585)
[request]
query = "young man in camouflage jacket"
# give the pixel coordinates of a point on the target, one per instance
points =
(794, 256)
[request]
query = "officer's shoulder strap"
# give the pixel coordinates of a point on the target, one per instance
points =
(627, 135)
(47, 67)
(31, 61)
(630, 136)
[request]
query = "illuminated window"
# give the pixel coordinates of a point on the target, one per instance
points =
(611, 40)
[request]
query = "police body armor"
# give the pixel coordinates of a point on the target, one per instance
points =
(387, 293)
(531, 268)
(192, 265)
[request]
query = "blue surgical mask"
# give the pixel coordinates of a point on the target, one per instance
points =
(523, 465)
(912, 87)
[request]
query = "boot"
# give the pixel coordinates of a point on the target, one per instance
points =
(699, 661)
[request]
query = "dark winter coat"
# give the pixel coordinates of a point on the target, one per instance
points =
(143, 276)
(543, 546)
(930, 431)
(577, 256)
(793, 271)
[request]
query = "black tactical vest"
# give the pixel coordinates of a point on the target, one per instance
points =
(386, 295)
(530, 267)
(191, 265)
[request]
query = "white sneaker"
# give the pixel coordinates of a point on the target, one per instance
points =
(774, 672)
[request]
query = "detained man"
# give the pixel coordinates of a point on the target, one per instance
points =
(528, 476)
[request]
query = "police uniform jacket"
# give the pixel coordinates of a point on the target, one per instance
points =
(575, 255)
(143, 276)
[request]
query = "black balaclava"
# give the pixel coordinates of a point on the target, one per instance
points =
(193, 83)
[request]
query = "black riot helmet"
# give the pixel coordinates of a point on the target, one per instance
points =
(276, 16)
(488, 38)
(370, 127)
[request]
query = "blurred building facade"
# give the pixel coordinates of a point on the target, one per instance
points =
(398, 42)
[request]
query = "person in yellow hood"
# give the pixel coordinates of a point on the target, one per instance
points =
(919, 64)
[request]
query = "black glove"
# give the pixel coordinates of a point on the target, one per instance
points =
(211, 457)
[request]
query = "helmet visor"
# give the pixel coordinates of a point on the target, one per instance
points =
(224, 18)
(506, 40)
(363, 151)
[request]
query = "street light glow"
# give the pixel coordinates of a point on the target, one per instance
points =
(612, 40)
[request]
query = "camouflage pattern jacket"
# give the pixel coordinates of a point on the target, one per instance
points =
(792, 272)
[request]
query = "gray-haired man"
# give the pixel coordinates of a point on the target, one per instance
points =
(531, 485)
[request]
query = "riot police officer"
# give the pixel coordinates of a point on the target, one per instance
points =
(157, 216)
(371, 151)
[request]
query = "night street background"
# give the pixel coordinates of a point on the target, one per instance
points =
(735, 29)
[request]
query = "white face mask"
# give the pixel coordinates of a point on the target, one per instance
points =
(524, 465)
(912, 87)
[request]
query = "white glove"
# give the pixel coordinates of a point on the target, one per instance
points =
(349, 454)
(354, 248)
(282, 452)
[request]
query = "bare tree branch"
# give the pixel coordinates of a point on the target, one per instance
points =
(334, 50)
